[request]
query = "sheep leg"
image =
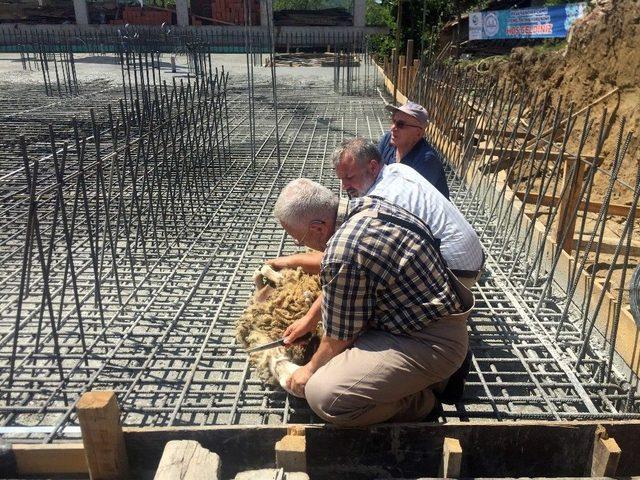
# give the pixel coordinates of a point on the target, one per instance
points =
(282, 368)
(266, 275)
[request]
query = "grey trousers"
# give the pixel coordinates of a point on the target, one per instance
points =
(387, 377)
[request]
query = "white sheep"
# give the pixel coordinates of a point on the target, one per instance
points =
(280, 299)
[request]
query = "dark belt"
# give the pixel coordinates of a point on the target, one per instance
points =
(465, 273)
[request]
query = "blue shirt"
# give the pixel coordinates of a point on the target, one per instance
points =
(422, 158)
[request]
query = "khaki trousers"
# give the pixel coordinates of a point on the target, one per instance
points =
(386, 377)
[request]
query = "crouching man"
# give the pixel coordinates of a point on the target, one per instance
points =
(394, 316)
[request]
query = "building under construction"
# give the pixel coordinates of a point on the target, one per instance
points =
(139, 169)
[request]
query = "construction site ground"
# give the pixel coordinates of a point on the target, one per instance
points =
(170, 355)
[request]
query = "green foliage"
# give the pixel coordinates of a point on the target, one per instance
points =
(424, 33)
(379, 14)
(311, 4)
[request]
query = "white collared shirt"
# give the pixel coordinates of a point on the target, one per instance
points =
(403, 186)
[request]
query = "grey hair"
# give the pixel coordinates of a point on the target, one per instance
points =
(303, 200)
(361, 149)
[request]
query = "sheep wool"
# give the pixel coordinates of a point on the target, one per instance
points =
(280, 299)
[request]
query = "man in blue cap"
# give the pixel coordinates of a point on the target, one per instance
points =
(404, 143)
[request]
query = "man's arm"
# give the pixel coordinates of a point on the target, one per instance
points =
(308, 323)
(309, 261)
(346, 309)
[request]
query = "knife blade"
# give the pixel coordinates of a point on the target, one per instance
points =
(278, 343)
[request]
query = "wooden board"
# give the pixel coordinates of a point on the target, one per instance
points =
(187, 460)
(36, 459)
(491, 449)
(99, 418)
(451, 458)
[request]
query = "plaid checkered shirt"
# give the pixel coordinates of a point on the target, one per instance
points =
(381, 275)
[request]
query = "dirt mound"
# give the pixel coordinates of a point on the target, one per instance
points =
(600, 55)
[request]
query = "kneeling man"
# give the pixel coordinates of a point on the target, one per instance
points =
(394, 316)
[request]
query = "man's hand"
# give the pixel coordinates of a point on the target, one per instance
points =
(298, 328)
(278, 263)
(309, 261)
(298, 380)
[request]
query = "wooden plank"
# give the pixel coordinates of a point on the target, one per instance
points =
(410, 51)
(99, 418)
(527, 448)
(594, 207)
(415, 451)
(187, 460)
(491, 132)
(539, 154)
(451, 458)
(50, 459)
(606, 454)
(239, 447)
(572, 176)
(291, 453)
(608, 245)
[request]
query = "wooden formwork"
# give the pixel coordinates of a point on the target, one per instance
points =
(627, 343)
(451, 450)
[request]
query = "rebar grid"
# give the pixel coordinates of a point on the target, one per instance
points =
(175, 257)
(535, 170)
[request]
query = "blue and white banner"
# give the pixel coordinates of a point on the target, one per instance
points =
(537, 22)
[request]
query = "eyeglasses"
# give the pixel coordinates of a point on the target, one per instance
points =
(300, 243)
(402, 124)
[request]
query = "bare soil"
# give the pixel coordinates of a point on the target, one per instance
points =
(602, 53)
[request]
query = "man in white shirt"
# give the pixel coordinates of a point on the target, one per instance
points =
(359, 166)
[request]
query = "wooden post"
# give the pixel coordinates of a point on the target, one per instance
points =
(99, 418)
(414, 73)
(606, 454)
(451, 458)
(394, 72)
(187, 460)
(402, 73)
(409, 52)
(291, 451)
(569, 203)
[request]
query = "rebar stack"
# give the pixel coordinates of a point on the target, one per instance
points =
(540, 179)
(101, 213)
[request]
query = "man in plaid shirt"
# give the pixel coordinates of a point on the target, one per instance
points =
(393, 314)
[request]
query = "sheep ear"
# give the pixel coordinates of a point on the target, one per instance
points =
(270, 276)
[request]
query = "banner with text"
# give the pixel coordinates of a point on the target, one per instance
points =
(536, 22)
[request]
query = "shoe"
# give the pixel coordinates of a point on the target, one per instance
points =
(435, 413)
(452, 392)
